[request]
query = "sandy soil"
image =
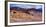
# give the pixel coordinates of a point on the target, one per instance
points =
(23, 17)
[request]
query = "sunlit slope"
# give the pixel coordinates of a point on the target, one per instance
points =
(21, 16)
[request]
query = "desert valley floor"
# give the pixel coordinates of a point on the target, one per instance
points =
(23, 16)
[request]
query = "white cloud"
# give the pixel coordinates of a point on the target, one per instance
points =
(26, 6)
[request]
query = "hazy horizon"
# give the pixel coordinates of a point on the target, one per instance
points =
(26, 6)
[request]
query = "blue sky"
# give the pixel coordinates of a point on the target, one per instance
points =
(26, 6)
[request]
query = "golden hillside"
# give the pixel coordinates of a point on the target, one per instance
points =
(20, 16)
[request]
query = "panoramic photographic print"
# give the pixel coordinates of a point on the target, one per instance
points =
(21, 13)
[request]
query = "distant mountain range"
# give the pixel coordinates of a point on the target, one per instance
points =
(24, 9)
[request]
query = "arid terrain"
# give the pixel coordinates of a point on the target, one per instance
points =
(30, 15)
